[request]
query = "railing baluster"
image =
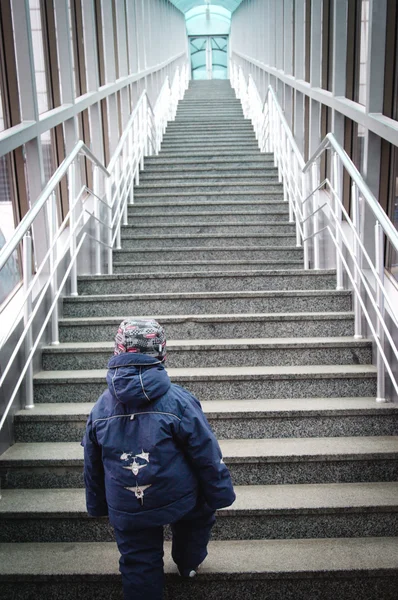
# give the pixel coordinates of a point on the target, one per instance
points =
(124, 161)
(118, 205)
(357, 256)
(72, 223)
(97, 225)
(131, 162)
(110, 230)
(53, 226)
(315, 204)
(27, 277)
(337, 185)
(379, 264)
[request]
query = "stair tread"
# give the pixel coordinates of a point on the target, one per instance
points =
(234, 450)
(250, 500)
(197, 295)
(210, 274)
(216, 317)
(286, 372)
(270, 558)
(242, 409)
(318, 342)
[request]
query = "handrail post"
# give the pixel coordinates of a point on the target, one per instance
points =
(124, 161)
(142, 135)
(136, 139)
(27, 277)
(305, 187)
(72, 223)
(379, 264)
(130, 147)
(118, 205)
(146, 128)
(357, 256)
(296, 195)
(97, 214)
(315, 203)
(53, 226)
(337, 185)
(109, 228)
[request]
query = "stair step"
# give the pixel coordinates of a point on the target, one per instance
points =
(210, 202)
(138, 216)
(259, 512)
(216, 383)
(97, 329)
(223, 228)
(191, 168)
(212, 160)
(274, 418)
(208, 136)
(212, 176)
(364, 568)
(176, 189)
(250, 461)
(310, 569)
(213, 353)
(232, 253)
(208, 266)
(268, 180)
(131, 241)
(201, 281)
(207, 302)
(210, 153)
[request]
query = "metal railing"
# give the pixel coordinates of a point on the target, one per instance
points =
(96, 230)
(316, 207)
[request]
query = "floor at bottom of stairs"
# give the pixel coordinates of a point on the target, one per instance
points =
(276, 569)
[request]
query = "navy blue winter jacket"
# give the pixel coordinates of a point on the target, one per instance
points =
(149, 452)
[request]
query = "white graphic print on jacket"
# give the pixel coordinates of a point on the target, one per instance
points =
(135, 468)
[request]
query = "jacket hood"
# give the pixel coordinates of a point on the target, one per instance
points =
(136, 380)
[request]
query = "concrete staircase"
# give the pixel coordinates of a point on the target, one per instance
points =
(269, 350)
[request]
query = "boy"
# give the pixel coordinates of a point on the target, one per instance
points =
(150, 458)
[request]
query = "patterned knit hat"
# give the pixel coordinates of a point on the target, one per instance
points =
(144, 336)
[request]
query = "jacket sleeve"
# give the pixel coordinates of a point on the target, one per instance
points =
(203, 452)
(94, 476)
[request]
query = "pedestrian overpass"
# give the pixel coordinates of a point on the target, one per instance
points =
(230, 168)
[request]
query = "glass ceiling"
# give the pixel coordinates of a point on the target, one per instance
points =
(185, 5)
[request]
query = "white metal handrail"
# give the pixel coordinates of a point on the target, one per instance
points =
(95, 227)
(315, 216)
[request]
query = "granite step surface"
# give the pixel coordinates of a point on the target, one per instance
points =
(251, 462)
(236, 199)
(210, 167)
(207, 303)
(187, 327)
(235, 419)
(260, 512)
(212, 176)
(224, 228)
(209, 136)
(213, 353)
(132, 240)
(218, 383)
(198, 203)
(183, 144)
(181, 266)
(222, 128)
(211, 153)
(138, 216)
(245, 187)
(342, 568)
(206, 281)
(200, 253)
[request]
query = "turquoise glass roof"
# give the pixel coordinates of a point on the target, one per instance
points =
(185, 5)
